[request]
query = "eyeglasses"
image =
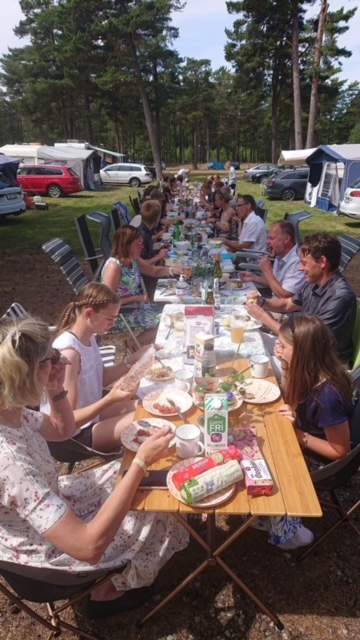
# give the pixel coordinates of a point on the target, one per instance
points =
(243, 204)
(54, 358)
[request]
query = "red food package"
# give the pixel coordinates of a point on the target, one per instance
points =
(195, 469)
(258, 480)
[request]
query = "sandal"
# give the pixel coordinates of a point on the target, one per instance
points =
(130, 600)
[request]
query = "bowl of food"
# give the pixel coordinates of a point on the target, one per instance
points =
(203, 386)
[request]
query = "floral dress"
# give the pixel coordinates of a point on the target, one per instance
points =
(145, 316)
(33, 498)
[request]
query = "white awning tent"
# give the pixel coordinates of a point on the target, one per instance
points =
(295, 158)
(80, 160)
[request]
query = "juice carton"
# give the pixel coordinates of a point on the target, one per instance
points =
(216, 423)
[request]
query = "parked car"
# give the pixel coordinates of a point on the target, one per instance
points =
(134, 174)
(11, 200)
(288, 185)
(220, 166)
(255, 174)
(350, 205)
(50, 180)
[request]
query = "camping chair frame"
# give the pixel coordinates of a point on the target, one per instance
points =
(92, 255)
(26, 587)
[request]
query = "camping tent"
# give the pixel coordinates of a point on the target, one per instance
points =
(295, 158)
(80, 160)
(333, 168)
(8, 170)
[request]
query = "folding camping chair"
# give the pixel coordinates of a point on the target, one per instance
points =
(104, 241)
(349, 248)
(334, 476)
(47, 586)
(296, 218)
(92, 255)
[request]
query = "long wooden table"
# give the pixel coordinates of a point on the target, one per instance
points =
(293, 492)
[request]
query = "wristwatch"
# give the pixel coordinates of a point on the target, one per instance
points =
(262, 301)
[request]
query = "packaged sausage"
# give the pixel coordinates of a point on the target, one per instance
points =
(131, 380)
(204, 464)
(258, 480)
(211, 482)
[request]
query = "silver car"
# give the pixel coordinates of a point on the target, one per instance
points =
(260, 171)
(11, 200)
(131, 173)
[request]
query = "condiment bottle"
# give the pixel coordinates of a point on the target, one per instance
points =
(210, 295)
(177, 232)
(208, 363)
(217, 272)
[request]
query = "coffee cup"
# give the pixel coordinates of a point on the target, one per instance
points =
(259, 366)
(184, 380)
(188, 444)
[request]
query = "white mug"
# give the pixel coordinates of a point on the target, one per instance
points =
(188, 443)
(259, 366)
(184, 380)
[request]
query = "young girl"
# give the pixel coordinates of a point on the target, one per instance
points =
(99, 419)
(79, 523)
(317, 387)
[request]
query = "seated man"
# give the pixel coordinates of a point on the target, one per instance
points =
(326, 294)
(252, 230)
(284, 278)
(150, 216)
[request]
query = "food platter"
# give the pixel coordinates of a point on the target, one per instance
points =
(262, 391)
(137, 432)
(155, 399)
(210, 501)
(231, 407)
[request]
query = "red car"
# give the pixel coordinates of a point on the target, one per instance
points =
(48, 180)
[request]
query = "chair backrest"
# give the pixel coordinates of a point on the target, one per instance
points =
(135, 205)
(104, 242)
(64, 256)
(296, 218)
(262, 213)
(355, 426)
(356, 338)
(16, 310)
(349, 248)
(87, 243)
(123, 212)
(115, 219)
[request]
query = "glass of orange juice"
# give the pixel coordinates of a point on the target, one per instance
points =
(237, 326)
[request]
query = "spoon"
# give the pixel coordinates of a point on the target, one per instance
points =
(144, 423)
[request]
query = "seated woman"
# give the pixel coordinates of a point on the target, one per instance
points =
(99, 419)
(223, 226)
(317, 387)
(318, 390)
(81, 522)
(122, 273)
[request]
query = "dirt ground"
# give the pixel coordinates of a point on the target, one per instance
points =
(317, 599)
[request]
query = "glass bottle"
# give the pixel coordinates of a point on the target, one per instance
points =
(208, 362)
(210, 293)
(217, 272)
(177, 232)
(216, 293)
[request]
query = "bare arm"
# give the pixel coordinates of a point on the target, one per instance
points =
(336, 445)
(60, 424)
(88, 541)
(237, 246)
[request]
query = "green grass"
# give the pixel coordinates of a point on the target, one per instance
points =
(28, 231)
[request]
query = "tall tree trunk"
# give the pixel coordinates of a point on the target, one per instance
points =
(316, 77)
(157, 108)
(296, 77)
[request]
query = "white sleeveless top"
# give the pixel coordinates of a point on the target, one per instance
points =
(90, 380)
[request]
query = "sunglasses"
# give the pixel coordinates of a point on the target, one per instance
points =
(54, 358)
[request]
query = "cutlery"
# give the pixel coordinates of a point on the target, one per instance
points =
(144, 423)
(163, 366)
(169, 332)
(172, 404)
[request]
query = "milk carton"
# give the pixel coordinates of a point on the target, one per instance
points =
(216, 423)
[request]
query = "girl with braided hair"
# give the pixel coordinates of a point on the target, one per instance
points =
(99, 419)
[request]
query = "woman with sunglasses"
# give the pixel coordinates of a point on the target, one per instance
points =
(99, 418)
(317, 387)
(79, 523)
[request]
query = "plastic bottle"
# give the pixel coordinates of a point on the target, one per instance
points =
(208, 363)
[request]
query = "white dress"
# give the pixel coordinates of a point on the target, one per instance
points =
(33, 498)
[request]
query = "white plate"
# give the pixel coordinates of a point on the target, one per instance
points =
(263, 391)
(169, 376)
(232, 407)
(183, 400)
(240, 299)
(134, 434)
(210, 501)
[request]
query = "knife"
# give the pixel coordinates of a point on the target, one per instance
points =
(172, 404)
